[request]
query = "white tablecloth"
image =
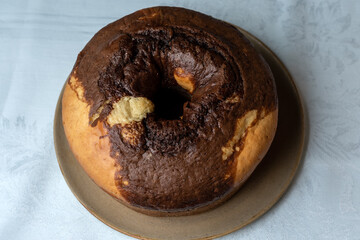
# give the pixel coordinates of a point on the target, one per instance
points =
(319, 42)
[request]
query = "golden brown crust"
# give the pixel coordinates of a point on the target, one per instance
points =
(184, 79)
(256, 143)
(90, 145)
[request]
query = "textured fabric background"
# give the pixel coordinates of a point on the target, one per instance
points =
(319, 42)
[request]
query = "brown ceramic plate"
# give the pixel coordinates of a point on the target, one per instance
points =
(263, 189)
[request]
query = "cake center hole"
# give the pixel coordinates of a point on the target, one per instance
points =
(169, 103)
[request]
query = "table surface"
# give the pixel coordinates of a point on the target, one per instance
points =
(319, 42)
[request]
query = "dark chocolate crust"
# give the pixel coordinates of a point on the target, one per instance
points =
(176, 163)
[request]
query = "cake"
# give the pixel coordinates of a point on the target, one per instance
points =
(169, 110)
